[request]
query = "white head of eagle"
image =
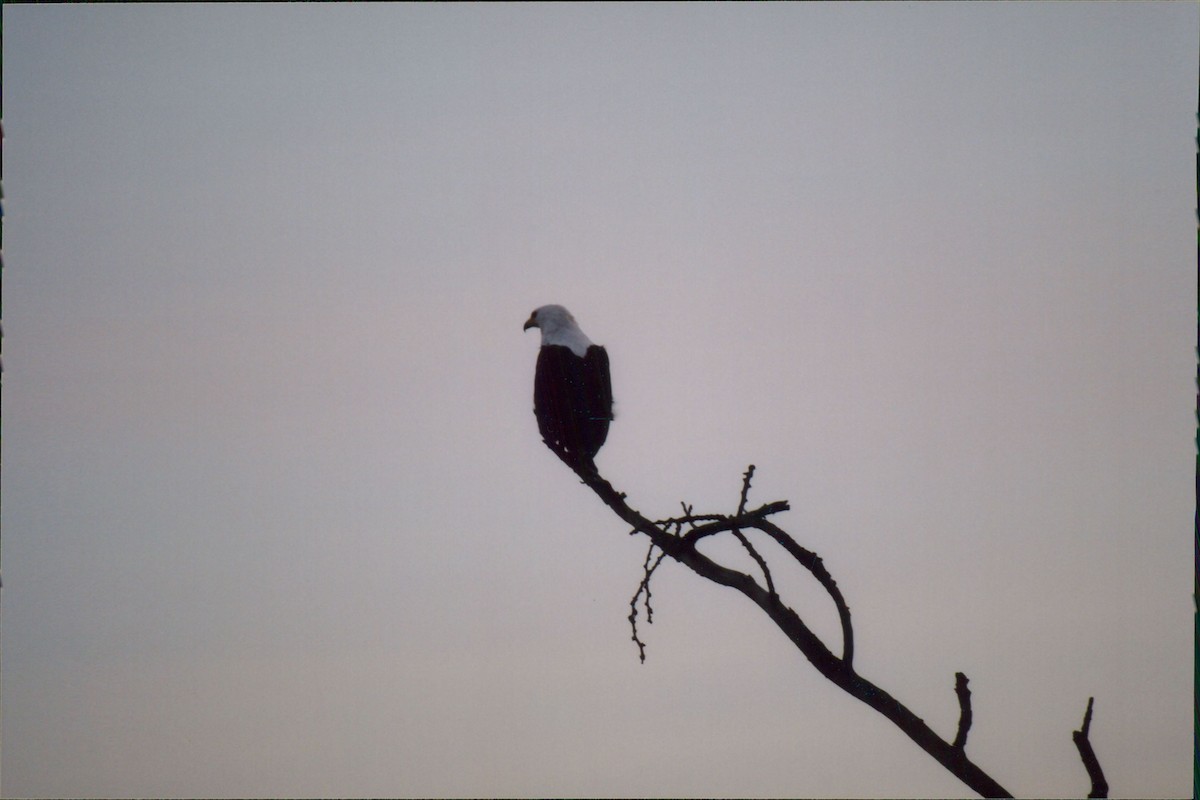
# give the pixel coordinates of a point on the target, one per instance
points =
(572, 389)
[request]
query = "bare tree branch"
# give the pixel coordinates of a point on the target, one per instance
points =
(682, 548)
(813, 563)
(964, 710)
(1088, 755)
(741, 537)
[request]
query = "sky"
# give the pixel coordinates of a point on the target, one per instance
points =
(276, 517)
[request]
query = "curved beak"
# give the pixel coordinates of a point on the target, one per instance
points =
(530, 323)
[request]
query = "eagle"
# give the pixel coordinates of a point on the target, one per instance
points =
(572, 389)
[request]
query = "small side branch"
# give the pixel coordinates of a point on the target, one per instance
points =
(813, 563)
(716, 523)
(762, 563)
(741, 537)
(964, 710)
(746, 476)
(644, 587)
(1088, 755)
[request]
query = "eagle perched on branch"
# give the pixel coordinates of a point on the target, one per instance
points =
(572, 389)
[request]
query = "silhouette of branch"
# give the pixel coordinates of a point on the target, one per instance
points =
(667, 535)
(746, 476)
(1088, 755)
(682, 548)
(644, 587)
(813, 563)
(719, 523)
(762, 564)
(964, 710)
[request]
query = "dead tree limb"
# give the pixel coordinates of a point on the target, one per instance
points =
(1088, 755)
(964, 710)
(668, 536)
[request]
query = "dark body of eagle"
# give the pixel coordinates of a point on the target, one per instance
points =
(572, 388)
(572, 400)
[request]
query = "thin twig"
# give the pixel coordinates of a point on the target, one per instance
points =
(719, 523)
(643, 587)
(741, 537)
(690, 520)
(746, 476)
(762, 563)
(649, 574)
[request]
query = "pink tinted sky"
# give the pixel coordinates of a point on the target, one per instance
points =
(276, 517)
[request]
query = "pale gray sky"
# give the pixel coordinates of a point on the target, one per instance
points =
(276, 516)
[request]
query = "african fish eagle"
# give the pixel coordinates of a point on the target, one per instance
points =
(572, 389)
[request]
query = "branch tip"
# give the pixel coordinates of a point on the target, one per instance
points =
(745, 489)
(644, 587)
(964, 710)
(1088, 756)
